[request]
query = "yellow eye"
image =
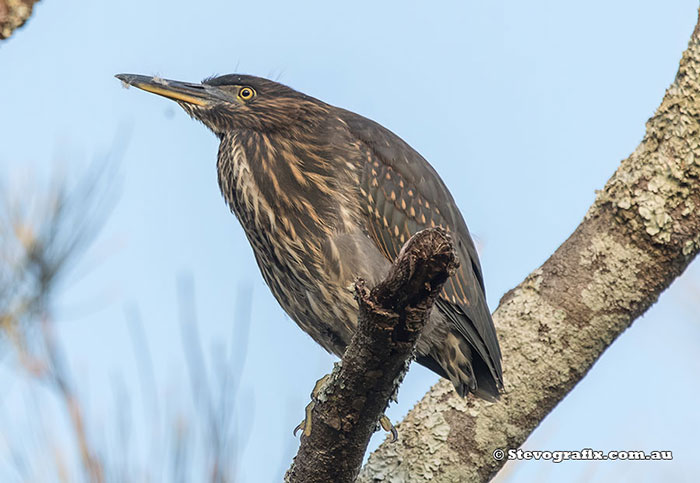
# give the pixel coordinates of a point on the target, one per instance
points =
(246, 93)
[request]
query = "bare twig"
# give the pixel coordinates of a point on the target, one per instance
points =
(59, 378)
(42, 240)
(390, 320)
(43, 233)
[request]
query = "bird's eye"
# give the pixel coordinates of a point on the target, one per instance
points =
(246, 93)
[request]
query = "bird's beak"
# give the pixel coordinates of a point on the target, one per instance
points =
(197, 94)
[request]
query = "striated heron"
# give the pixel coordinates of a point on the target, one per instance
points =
(324, 196)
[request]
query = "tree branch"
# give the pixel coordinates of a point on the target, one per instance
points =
(391, 317)
(13, 14)
(640, 234)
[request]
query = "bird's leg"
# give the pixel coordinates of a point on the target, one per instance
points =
(305, 425)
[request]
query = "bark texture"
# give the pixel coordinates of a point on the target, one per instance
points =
(13, 14)
(391, 317)
(640, 234)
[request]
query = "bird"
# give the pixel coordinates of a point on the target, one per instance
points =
(326, 196)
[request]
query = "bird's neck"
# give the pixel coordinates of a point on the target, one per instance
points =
(277, 180)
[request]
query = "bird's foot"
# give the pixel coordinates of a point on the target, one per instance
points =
(389, 428)
(306, 423)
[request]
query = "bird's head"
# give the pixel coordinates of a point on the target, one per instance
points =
(237, 102)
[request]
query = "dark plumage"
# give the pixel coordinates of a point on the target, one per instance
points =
(324, 196)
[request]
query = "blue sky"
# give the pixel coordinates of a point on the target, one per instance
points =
(525, 109)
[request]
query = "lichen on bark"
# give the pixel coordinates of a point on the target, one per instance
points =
(641, 232)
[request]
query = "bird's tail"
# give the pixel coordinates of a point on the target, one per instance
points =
(464, 368)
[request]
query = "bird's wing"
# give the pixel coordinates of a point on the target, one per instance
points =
(403, 194)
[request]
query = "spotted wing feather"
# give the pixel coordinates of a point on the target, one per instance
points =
(403, 194)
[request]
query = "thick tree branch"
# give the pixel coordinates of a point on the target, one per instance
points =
(640, 234)
(391, 318)
(13, 14)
